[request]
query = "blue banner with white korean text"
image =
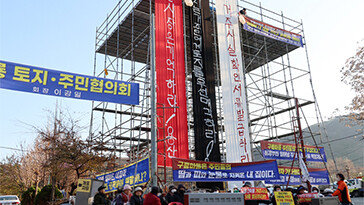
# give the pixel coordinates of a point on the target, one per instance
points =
(316, 176)
(201, 171)
(43, 81)
(270, 31)
(135, 174)
(286, 151)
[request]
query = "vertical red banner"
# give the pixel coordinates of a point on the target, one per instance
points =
(171, 86)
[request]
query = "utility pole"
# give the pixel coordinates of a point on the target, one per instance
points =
(301, 139)
(347, 171)
(153, 157)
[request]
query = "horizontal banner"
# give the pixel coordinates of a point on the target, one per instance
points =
(134, 175)
(201, 171)
(43, 81)
(270, 31)
(316, 176)
(286, 151)
(253, 193)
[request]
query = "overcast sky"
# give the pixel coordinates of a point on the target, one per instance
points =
(60, 35)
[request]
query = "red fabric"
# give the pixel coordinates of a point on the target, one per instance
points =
(171, 86)
(126, 198)
(341, 186)
(151, 199)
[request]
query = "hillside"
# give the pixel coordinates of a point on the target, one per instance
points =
(346, 141)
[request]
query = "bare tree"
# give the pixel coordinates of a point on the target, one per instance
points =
(67, 156)
(353, 75)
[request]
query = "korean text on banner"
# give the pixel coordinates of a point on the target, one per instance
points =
(283, 198)
(233, 83)
(316, 176)
(203, 89)
(43, 81)
(201, 171)
(254, 193)
(270, 31)
(171, 86)
(286, 151)
(307, 198)
(134, 175)
(84, 185)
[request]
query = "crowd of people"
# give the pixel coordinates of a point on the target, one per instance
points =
(126, 196)
(175, 195)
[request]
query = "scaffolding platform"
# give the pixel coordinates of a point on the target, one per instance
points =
(137, 23)
(272, 80)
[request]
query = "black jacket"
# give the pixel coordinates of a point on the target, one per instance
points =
(136, 200)
(180, 197)
(171, 197)
(100, 199)
(164, 200)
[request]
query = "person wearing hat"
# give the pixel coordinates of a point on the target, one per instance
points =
(180, 196)
(301, 190)
(171, 196)
(137, 198)
(123, 195)
(100, 197)
(152, 197)
(126, 194)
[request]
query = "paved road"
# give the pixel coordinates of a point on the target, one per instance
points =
(358, 200)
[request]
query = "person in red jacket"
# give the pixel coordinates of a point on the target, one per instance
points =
(342, 190)
(152, 198)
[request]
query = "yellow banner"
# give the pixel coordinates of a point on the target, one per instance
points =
(284, 197)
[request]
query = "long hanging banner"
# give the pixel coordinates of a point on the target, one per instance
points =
(203, 91)
(233, 83)
(19, 77)
(171, 86)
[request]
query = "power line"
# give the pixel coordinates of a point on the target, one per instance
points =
(342, 138)
(12, 148)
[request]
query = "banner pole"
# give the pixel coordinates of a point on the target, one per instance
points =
(153, 157)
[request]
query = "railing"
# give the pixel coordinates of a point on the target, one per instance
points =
(116, 17)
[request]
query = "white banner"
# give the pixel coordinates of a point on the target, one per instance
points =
(233, 84)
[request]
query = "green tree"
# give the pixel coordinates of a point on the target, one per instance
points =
(45, 195)
(28, 197)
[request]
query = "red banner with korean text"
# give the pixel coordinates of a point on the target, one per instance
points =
(171, 86)
(254, 193)
(307, 198)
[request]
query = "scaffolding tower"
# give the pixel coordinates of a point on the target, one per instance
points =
(276, 73)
